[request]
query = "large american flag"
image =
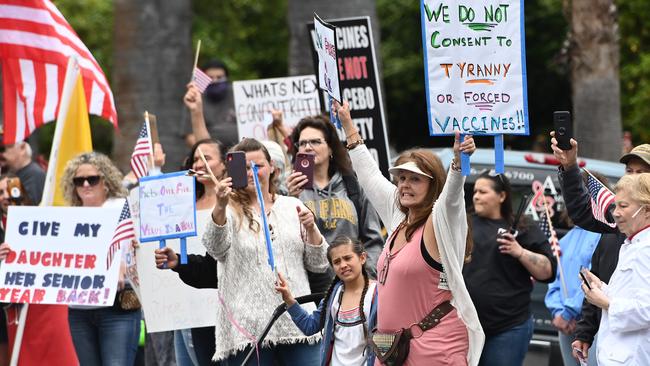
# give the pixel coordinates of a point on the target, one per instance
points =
(201, 79)
(601, 199)
(141, 153)
(35, 44)
(124, 231)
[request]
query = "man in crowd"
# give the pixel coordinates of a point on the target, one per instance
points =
(605, 257)
(213, 113)
(18, 159)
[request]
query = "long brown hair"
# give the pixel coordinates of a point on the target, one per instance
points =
(239, 196)
(429, 163)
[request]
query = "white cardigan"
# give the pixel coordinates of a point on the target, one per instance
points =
(246, 281)
(450, 227)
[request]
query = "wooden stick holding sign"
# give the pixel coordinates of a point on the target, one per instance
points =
(205, 161)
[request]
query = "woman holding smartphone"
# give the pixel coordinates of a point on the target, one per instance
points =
(624, 332)
(499, 275)
(340, 205)
(236, 239)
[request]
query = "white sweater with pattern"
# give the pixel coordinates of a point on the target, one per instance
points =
(246, 281)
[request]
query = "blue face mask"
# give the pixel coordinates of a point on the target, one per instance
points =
(216, 91)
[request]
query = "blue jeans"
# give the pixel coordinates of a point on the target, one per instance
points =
(284, 354)
(105, 336)
(508, 348)
(184, 348)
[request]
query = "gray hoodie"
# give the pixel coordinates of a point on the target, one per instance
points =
(336, 215)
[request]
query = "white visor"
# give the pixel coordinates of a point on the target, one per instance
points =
(410, 166)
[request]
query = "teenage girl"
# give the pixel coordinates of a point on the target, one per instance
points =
(346, 310)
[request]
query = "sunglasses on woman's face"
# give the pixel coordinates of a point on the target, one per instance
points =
(91, 179)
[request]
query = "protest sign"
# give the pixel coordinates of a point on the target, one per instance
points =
(168, 208)
(58, 256)
(328, 71)
(167, 302)
(295, 96)
(475, 67)
(359, 83)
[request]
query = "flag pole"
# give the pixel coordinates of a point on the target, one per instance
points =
(555, 252)
(148, 124)
(72, 71)
(196, 55)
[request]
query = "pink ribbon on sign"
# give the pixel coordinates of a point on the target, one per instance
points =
(237, 326)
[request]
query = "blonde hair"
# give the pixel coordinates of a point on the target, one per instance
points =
(637, 186)
(108, 171)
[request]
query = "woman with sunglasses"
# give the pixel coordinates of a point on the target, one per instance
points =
(340, 205)
(420, 286)
(498, 277)
(107, 335)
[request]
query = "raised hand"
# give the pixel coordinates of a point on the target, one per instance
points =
(568, 158)
(192, 98)
(295, 183)
(467, 146)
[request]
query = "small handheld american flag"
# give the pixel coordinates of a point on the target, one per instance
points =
(547, 228)
(124, 231)
(601, 199)
(141, 153)
(201, 79)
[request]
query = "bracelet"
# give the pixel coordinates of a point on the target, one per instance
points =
(352, 134)
(354, 144)
(454, 165)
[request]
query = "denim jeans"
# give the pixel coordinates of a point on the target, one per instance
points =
(282, 354)
(508, 348)
(184, 348)
(105, 336)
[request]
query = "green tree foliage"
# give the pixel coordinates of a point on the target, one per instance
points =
(634, 16)
(251, 37)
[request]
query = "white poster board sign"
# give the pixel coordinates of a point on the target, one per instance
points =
(475, 64)
(328, 71)
(167, 207)
(59, 256)
(167, 302)
(295, 96)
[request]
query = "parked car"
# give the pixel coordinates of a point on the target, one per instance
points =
(526, 170)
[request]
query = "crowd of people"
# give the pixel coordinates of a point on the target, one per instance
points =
(409, 274)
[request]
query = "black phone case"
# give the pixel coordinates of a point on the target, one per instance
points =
(563, 129)
(305, 164)
(236, 167)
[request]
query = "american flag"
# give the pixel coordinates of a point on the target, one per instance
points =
(601, 199)
(201, 79)
(35, 44)
(124, 231)
(547, 228)
(141, 153)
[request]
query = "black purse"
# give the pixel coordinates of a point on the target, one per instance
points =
(391, 349)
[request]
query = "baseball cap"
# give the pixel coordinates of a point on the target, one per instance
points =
(642, 152)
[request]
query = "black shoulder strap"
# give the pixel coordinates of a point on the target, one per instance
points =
(354, 192)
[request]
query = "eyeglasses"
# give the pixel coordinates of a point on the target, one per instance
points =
(303, 143)
(91, 179)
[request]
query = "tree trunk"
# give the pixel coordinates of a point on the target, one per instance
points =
(301, 12)
(152, 63)
(595, 78)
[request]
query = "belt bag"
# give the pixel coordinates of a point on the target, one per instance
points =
(392, 349)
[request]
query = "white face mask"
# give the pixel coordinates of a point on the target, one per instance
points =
(637, 211)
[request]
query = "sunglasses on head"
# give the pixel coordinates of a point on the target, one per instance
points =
(91, 179)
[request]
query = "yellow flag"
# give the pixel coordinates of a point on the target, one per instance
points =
(71, 136)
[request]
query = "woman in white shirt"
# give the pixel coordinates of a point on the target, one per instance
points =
(625, 323)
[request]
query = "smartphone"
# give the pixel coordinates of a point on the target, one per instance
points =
(304, 163)
(563, 129)
(584, 279)
(236, 167)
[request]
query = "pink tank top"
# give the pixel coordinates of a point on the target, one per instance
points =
(411, 288)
